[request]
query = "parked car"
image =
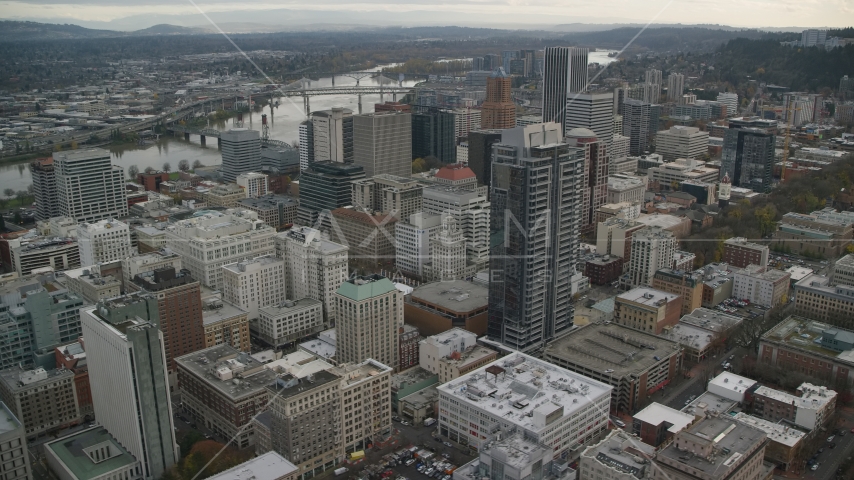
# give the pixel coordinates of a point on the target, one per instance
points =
(814, 467)
(830, 439)
(447, 444)
(410, 462)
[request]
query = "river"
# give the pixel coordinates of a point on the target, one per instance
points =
(284, 123)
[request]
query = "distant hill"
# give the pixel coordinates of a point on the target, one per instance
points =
(11, 31)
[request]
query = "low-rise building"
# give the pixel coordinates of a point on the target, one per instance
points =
(440, 306)
(688, 285)
(224, 323)
(670, 176)
(784, 442)
(717, 283)
(702, 332)
(811, 408)
(626, 187)
(89, 284)
(815, 298)
(418, 406)
(288, 321)
(619, 456)
(647, 309)
(823, 232)
(92, 454)
(453, 353)
(518, 457)
(741, 253)
(72, 357)
(809, 347)
(27, 393)
(635, 363)
(761, 285)
(603, 269)
(843, 271)
(15, 462)
(276, 211)
(32, 253)
(225, 196)
(223, 389)
(732, 387)
(657, 423)
(267, 466)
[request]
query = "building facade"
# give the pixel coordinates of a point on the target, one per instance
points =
(740, 253)
(256, 283)
(370, 312)
(42, 400)
(241, 152)
(104, 241)
(382, 143)
(89, 187)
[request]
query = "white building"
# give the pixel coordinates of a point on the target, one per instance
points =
(466, 120)
(471, 212)
(436, 347)
(332, 131)
(671, 175)
(675, 87)
(254, 184)
(843, 271)
(594, 111)
(370, 312)
(306, 144)
(251, 284)
(211, 239)
(626, 188)
(554, 406)
(412, 242)
(760, 285)
(682, 142)
(731, 386)
(731, 102)
(448, 253)
(314, 266)
(89, 187)
(810, 410)
(104, 241)
(289, 321)
(652, 250)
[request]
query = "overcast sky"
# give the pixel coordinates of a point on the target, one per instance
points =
(747, 13)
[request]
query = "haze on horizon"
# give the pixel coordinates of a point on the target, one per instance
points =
(123, 15)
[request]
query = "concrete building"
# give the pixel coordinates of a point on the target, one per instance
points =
(761, 285)
(625, 188)
(104, 241)
(640, 122)
(211, 239)
(438, 307)
(466, 120)
(595, 174)
(452, 354)
(26, 393)
(44, 188)
(537, 183)
(92, 453)
(564, 74)
(224, 323)
(13, 441)
(823, 232)
(675, 87)
(809, 347)
(448, 254)
(288, 321)
(703, 332)
(748, 157)
(89, 187)
(90, 285)
(575, 415)
(268, 466)
(498, 110)
(382, 143)
(332, 135)
(256, 283)
(28, 254)
(619, 456)
(614, 237)
(147, 262)
(741, 253)
(370, 238)
(315, 267)
(601, 352)
(652, 249)
(72, 357)
(222, 389)
(472, 214)
(517, 457)
(241, 152)
(412, 242)
(397, 196)
(784, 442)
(225, 195)
(811, 408)
(817, 299)
(670, 176)
(658, 423)
(370, 311)
(277, 211)
(254, 184)
(714, 448)
(731, 102)
(688, 285)
(592, 111)
(843, 271)
(365, 403)
(130, 387)
(407, 346)
(647, 309)
(682, 142)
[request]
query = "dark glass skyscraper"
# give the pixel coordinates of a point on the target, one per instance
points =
(748, 157)
(434, 134)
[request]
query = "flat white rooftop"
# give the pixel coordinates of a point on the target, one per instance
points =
(656, 413)
(776, 432)
(811, 399)
(269, 466)
(733, 382)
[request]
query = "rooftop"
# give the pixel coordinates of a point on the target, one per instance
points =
(8, 422)
(363, 288)
(233, 374)
(300, 364)
(814, 398)
(410, 377)
(470, 355)
(517, 450)
(777, 432)
(240, 267)
(288, 386)
(612, 349)
(17, 379)
(308, 236)
(730, 381)
(709, 402)
(269, 466)
(709, 319)
(647, 296)
(74, 452)
(805, 334)
(523, 390)
(216, 310)
(375, 221)
(764, 273)
(268, 202)
(728, 439)
(622, 452)
(457, 295)
(656, 414)
(662, 220)
(455, 172)
(354, 373)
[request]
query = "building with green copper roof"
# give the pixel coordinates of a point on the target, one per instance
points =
(92, 453)
(363, 288)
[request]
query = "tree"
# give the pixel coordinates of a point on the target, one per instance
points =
(184, 165)
(419, 165)
(133, 171)
(166, 167)
(197, 164)
(149, 169)
(2, 223)
(17, 218)
(21, 195)
(9, 192)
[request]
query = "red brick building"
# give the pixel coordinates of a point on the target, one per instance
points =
(151, 181)
(603, 269)
(73, 357)
(408, 347)
(740, 253)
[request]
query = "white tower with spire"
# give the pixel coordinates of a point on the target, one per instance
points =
(724, 190)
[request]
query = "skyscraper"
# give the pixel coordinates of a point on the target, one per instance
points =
(127, 374)
(480, 153)
(498, 110)
(565, 73)
(88, 186)
(326, 186)
(370, 312)
(241, 152)
(640, 121)
(594, 184)
(748, 157)
(653, 79)
(332, 132)
(593, 111)
(434, 135)
(675, 87)
(536, 197)
(44, 188)
(306, 144)
(382, 143)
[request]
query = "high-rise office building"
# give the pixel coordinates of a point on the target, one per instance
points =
(652, 77)
(640, 122)
(44, 188)
(306, 144)
(466, 120)
(325, 186)
(254, 283)
(470, 210)
(332, 131)
(103, 242)
(536, 198)
(682, 142)
(382, 143)
(498, 110)
(731, 101)
(130, 388)
(88, 186)
(506, 57)
(675, 87)
(434, 135)
(241, 152)
(593, 111)
(480, 153)
(748, 157)
(565, 74)
(370, 312)
(594, 183)
(813, 37)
